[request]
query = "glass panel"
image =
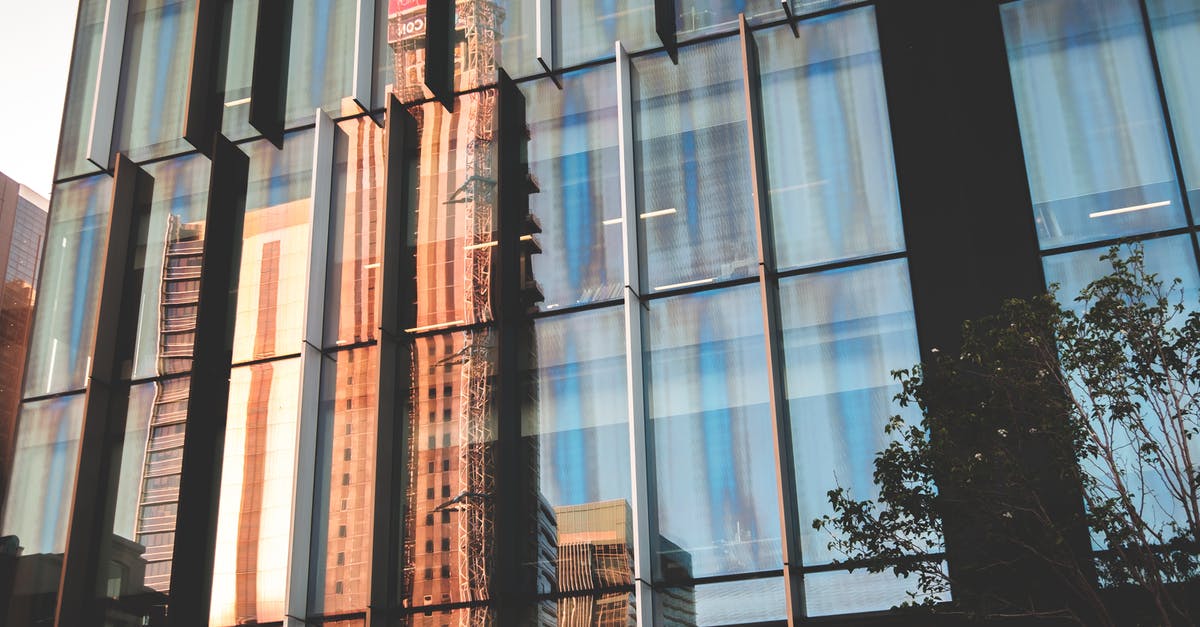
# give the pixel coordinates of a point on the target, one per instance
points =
(257, 477)
(841, 592)
(39, 506)
(241, 18)
(450, 509)
(829, 148)
(1091, 123)
(573, 154)
(1177, 36)
(718, 507)
(699, 17)
(154, 78)
(518, 37)
(693, 188)
(1168, 257)
(611, 609)
(588, 30)
(81, 90)
(171, 275)
(60, 348)
(355, 232)
(344, 506)
(143, 534)
(480, 31)
(275, 249)
(321, 65)
(577, 419)
(844, 332)
(729, 603)
(453, 219)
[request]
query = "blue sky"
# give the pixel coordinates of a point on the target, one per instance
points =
(35, 52)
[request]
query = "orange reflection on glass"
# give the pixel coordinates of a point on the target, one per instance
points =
(254, 514)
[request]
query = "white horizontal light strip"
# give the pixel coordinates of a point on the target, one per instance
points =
(612, 221)
(431, 327)
(524, 238)
(239, 101)
(685, 284)
(1113, 212)
(371, 265)
(660, 212)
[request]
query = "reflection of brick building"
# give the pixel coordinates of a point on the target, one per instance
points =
(22, 233)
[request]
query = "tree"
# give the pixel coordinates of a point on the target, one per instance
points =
(1051, 426)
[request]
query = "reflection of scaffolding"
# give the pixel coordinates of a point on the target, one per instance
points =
(479, 22)
(159, 494)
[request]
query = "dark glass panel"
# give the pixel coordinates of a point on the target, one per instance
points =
(81, 90)
(693, 185)
(1091, 123)
(573, 154)
(718, 507)
(832, 180)
(64, 328)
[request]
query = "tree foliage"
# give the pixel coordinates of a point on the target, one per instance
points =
(1060, 441)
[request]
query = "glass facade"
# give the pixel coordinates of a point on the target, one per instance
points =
(579, 423)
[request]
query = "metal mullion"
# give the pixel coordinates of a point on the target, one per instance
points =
(206, 76)
(439, 51)
(1170, 127)
(311, 363)
(363, 75)
(546, 46)
(397, 311)
(665, 24)
(108, 80)
(89, 535)
(208, 394)
(641, 442)
(268, 85)
(769, 292)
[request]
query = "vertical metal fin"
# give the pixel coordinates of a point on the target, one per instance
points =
(108, 81)
(268, 90)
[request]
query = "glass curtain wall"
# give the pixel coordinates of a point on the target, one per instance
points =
(833, 201)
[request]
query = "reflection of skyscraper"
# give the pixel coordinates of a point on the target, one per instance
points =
(595, 569)
(159, 493)
(22, 231)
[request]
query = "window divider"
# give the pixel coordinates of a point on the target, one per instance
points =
(768, 281)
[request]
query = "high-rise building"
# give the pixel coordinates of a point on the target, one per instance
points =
(518, 312)
(22, 237)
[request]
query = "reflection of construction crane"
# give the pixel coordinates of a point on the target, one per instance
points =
(476, 65)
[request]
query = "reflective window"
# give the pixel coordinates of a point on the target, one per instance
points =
(589, 29)
(698, 17)
(241, 19)
(355, 232)
(81, 90)
(345, 493)
(577, 420)
(747, 602)
(275, 248)
(573, 153)
(1091, 123)
(1177, 39)
(64, 327)
(1167, 257)
(147, 492)
(174, 251)
(829, 150)
(154, 77)
(321, 65)
(39, 504)
(717, 502)
(257, 481)
(693, 185)
(840, 592)
(844, 332)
